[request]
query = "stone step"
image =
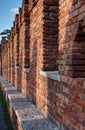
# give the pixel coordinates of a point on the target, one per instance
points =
(23, 113)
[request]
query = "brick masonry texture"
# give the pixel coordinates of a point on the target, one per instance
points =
(49, 35)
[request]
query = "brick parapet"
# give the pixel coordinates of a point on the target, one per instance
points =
(51, 37)
(70, 50)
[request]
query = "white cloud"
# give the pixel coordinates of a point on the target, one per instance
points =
(15, 10)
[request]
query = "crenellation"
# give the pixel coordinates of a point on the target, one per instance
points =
(44, 58)
(20, 15)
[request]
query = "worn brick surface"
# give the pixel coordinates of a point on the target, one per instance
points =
(50, 37)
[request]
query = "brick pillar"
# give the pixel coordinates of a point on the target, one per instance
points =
(13, 54)
(10, 58)
(77, 60)
(50, 35)
(19, 70)
(3, 45)
(16, 50)
(26, 37)
(24, 44)
(4, 63)
(8, 61)
(71, 39)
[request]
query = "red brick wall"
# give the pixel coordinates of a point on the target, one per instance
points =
(71, 38)
(23, 45)
(51, 38)
(36, 48)
(4, 56)
(71, 64)
(16, 49)
(11, 42)
(50, 35)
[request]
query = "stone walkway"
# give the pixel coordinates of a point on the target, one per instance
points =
(2, 121)
(28, 116)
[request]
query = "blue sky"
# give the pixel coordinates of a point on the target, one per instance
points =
(8, 9)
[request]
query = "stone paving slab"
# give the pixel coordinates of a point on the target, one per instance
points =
(29, 117)
(40, 124)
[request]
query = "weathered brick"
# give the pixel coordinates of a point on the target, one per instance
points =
(49, 35)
